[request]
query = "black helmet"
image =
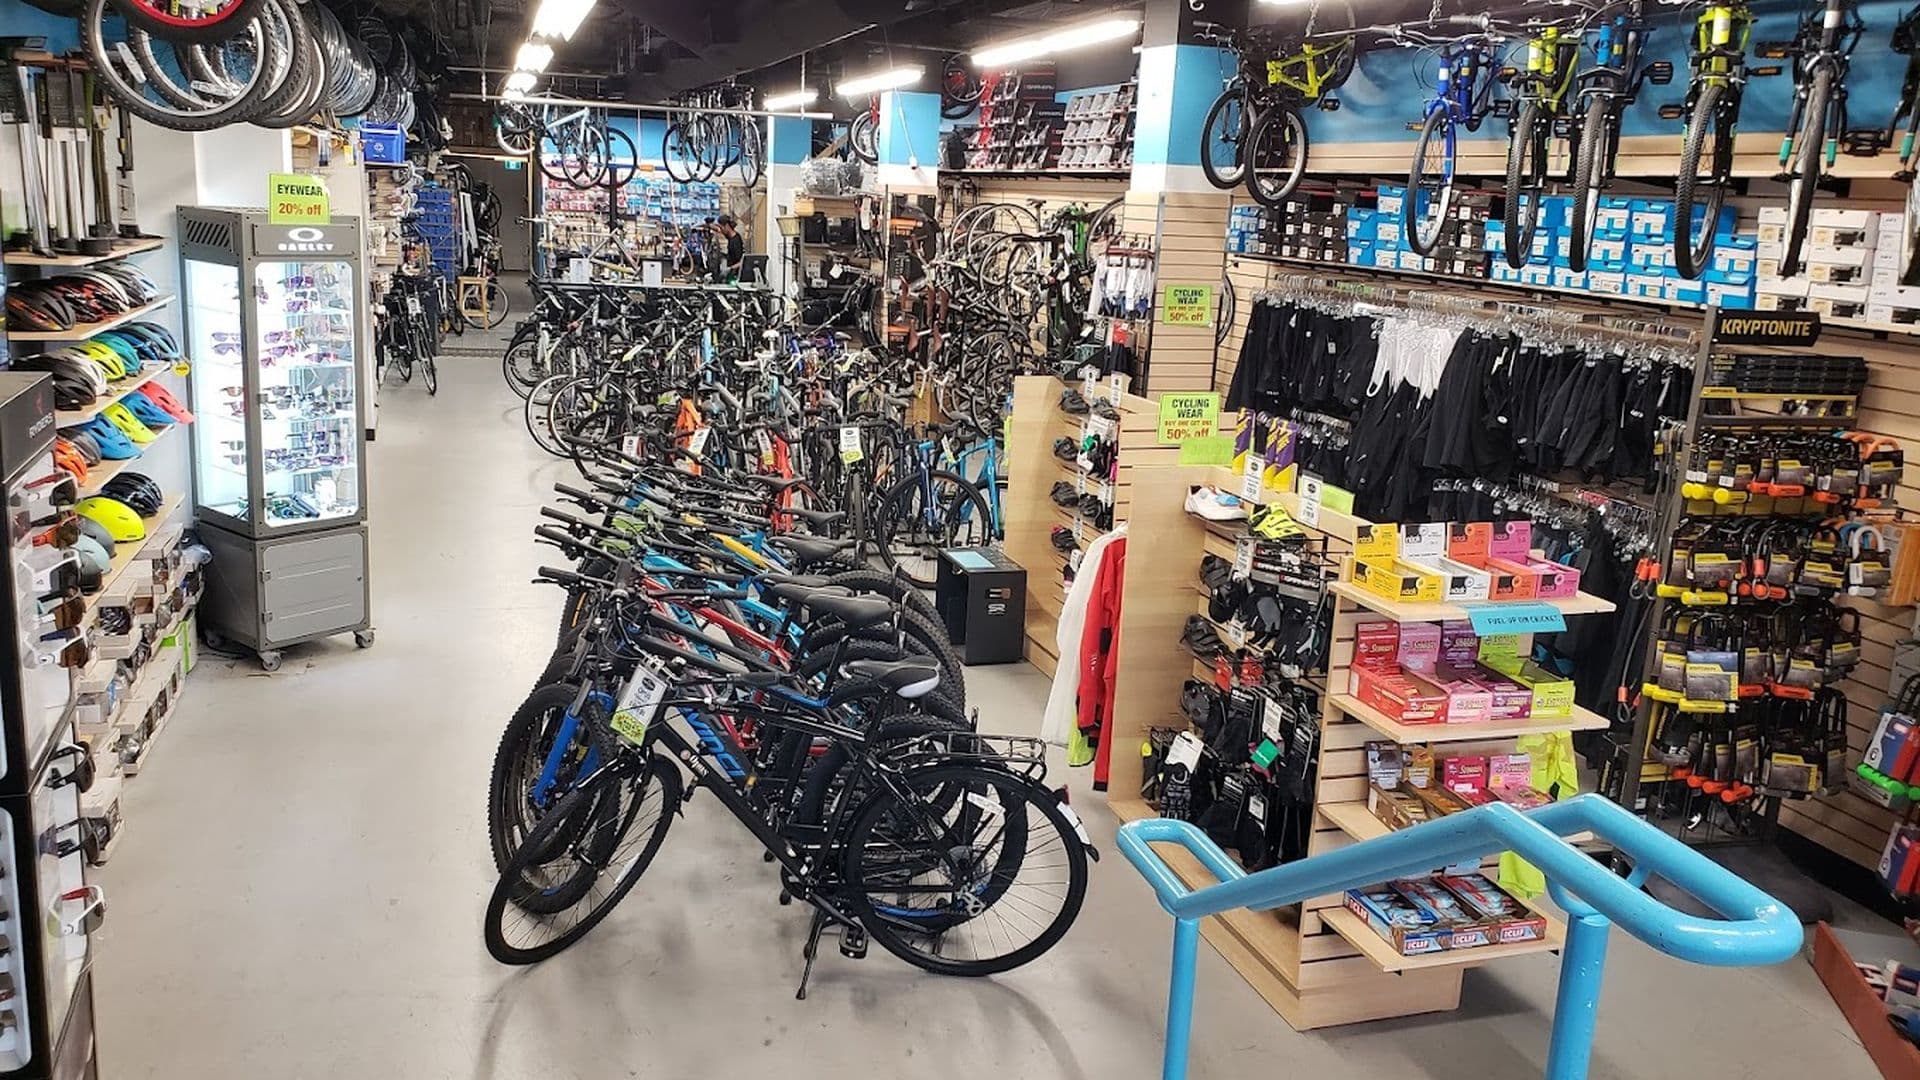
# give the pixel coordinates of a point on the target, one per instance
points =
(136, 490)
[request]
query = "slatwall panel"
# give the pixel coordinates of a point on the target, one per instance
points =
(1193, 229)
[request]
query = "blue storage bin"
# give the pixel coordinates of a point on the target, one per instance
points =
(383, 146)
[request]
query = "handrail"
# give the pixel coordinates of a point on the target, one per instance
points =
(1755, 928)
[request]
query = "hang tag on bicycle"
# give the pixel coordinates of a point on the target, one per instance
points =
(697, 444)
(413, 305)
(630, 445)
(766, 448)
(639, 703)
(850, 451)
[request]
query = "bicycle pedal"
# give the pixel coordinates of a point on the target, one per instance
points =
(1865, 142)
(1766, 72)
(1416, 125)
(1772, 50)
(853, 944)
(1673, 112)
(1327, 104)
(1660, 72)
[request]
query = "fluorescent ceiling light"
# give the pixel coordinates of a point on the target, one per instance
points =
(560, 18)
(533, 56)
(880, 81)
(1073, 37)
(520, 82)
(799, 99)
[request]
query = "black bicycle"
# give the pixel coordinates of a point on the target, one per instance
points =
(1609, 83)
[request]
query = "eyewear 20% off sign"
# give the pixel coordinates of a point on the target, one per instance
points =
(296, 199)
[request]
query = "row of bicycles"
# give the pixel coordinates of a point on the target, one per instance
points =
(742, 387)
(1570, 69)
(727, 626)
(706, 133)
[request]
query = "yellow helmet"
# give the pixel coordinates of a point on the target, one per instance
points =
(115, 516)
(122, 417)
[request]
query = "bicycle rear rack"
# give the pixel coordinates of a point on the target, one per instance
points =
(1757, 929)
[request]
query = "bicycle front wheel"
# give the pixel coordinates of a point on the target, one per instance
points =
(1589, 175)
(1808, 159)
(1276, 155)
(922, 516)
(493, 309)
(604, 835)
(1429, 195)
(1696, 197)
(1526, 180)
(965, 870)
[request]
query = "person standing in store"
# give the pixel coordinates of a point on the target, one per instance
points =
(736, 248)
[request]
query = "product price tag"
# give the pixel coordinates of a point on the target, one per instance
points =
(1116, 388)
(182, 367)
(630, 445)
(413, 305)
(1186, 750)
(850, 451)
(766, 448)
(1271, 721)
(639, 703)
(1233, 633)
(1309, 512)
(1253, 479)
(1257, 808)
(1243, 558)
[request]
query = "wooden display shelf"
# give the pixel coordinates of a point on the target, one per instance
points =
(1383, 955)
(98, 475)
(115, 391)
(83, 331)
(74, 262)
(1581, 720)
(1354, 819)
(1403, 611)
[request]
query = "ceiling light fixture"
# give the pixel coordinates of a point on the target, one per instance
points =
(799, 99)
(893, 79)
(533, 56)
(560, 18)
(520, 82)
(1073, 37)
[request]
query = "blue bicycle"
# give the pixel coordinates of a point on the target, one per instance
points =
(933, 505)
(1462, 98)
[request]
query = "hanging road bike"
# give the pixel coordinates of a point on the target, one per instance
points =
(572, 145)
(1462, 98)
(1610, 82)
(700, 144)
(1717, 65)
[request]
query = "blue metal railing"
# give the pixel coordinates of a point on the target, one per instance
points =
(1755, 928)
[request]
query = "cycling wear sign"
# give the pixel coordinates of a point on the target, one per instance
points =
(1187, 416)
(1186, 305)
(297, 199)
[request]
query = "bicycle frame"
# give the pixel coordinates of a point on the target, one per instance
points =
(1309, 72)
(1462, 88)
(1720, 37)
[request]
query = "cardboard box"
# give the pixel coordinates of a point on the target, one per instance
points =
(1468, 701)
(1464, 773)
(1397, 921)
(1396, 579)
(1419, 647)
(1447, 910)
(1395, 808)
(1438, 800)
(1512, 921)
(1400, 695)
(1376, 541)
(1509, 771)
(1376, 645)
(1459, 581)
(1511, 701)
(1552, 694)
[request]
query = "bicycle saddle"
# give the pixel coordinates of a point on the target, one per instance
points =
(803, 591)
(816, 518)
(775, 483)
(855, 611)
(811, 549)
(909, 677)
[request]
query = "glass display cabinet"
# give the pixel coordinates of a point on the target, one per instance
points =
(273, 325)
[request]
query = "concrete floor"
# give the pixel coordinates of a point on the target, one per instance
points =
(299, 890)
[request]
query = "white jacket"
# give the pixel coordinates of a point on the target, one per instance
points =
(1062, 716)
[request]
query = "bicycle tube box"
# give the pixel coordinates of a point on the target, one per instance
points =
(1398, 922)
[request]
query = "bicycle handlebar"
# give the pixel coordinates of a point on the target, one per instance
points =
(1755, 928)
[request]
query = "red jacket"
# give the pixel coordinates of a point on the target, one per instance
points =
(1099, 654)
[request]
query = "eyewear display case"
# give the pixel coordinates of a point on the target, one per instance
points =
(273, 325)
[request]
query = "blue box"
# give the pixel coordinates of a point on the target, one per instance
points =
(1391, 198)
(1362, 225)
(1652, 219)
(1570, 279)
(383, 146)
(1732, 297)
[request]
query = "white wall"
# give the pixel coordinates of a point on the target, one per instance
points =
(233, 162)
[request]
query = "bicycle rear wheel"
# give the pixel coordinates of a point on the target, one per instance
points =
(970, 870)
(921, 518)
(1275, 156)
(604, 834)
(1429, 195)
(430, 373)
(1589, 175)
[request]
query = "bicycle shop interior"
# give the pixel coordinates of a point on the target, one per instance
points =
(590, 538)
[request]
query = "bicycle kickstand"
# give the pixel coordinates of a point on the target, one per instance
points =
(811, 951)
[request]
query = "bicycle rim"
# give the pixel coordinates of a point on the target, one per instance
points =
(974, 871)
(1276, 155)
(1222, 135)
(1430, 186)
(620, 818)
(1709, 138)
(1810, 146)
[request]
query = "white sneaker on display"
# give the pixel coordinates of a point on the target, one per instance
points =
(1215, 505)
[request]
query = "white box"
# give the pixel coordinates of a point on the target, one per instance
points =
(1835, 274)
(1887, 315)
(1843, 255)
(1775, 302)
(1848, 293)
(1885, 288)
(1773, 215)
(1826, 217)
(1645, 285)
(1600, 282)
(1777, 286)
(1829, 308)
(1769, 250)
(1828, 238)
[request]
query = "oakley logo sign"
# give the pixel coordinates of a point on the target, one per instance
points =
(305, 238)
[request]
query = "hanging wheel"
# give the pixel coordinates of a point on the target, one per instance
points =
(270, 660)
(363, 638)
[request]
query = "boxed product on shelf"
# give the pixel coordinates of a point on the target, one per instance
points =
(1376, 645)
(1464, 929)
(1395, 808)
(1551, 695)
(1386, 912)
(1651, 220)
(1418, 647)
(1463, 774)
(1613, 218)
(1509, 770)
(1510, 921)
(1402, 695)
(1439, 801)
(1459, 581)
(1395, 579)
(1468, 701)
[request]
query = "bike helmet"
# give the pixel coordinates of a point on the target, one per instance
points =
(158, 394)
(83, 442)
(114, 444)
(94, 557)
(136, 490)
(98, 533)
(148, 413)
(158, 342)
(109, 360)
(67, 458)
(77, 380)
(102, 288)
(91, 300)
(127, 348)
(119, 519)
(138, 287)
(129, 424)
(33, 305)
